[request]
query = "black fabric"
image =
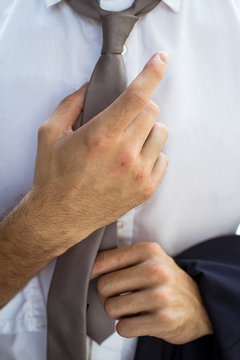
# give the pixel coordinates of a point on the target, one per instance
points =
(215, 266)
(151, 348)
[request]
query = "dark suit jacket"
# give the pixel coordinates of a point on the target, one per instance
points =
(215, 266)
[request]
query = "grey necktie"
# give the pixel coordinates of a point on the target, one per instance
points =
(73, 306)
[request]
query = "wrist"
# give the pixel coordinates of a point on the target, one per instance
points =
(205, 325)
(54, 223)
(203, 322)
(198, 321)
(22, 253)
(44, 229)
(22, 230)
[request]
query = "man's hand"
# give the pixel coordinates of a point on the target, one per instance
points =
(150, 294)
(84, 179)
(88, 178)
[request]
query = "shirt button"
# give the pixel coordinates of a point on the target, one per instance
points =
(119, 224)
(124, 50)
(238, 230)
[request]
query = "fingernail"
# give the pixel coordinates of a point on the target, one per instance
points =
(162, 56)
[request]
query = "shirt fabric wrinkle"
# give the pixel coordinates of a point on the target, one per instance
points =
(199, 111)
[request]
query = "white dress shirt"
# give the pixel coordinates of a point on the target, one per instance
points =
(46, 52)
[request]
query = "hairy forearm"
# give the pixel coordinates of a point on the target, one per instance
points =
(22, 250)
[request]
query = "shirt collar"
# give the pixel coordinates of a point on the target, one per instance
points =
(173, 4)
(49, 3)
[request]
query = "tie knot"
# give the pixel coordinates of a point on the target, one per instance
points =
(116, 29)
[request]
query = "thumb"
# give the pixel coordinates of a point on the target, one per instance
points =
(67, 112)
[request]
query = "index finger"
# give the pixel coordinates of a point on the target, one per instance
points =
(116, 259)
(130, 103)
(112, 260)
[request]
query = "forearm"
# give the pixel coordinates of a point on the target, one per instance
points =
(22, 250)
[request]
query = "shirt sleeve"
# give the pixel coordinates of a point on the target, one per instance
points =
(27, 310)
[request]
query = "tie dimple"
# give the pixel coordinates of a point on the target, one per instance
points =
(116, 29)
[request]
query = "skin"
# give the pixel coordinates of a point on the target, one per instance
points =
(88, 178)
(84, 179)
(143, 288)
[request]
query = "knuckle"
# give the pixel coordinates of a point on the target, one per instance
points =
(156, 296)
(102, 286)
(153, 247)
(150, 248)
(164, 273)
(148, 191)
(100, 261)
(158, 272)
(96, 142)
(138, 248)
(67, 101)
(167, 318)
(141, 175)
(109, 308)
(164, 159)
(153, 108)
(44, 131)
(153, 271)
(161, 296)
(163, 129)
(138, 96)
(128, 158)
(70, 103)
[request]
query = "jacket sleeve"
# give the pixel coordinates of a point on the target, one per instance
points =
(215, 266)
